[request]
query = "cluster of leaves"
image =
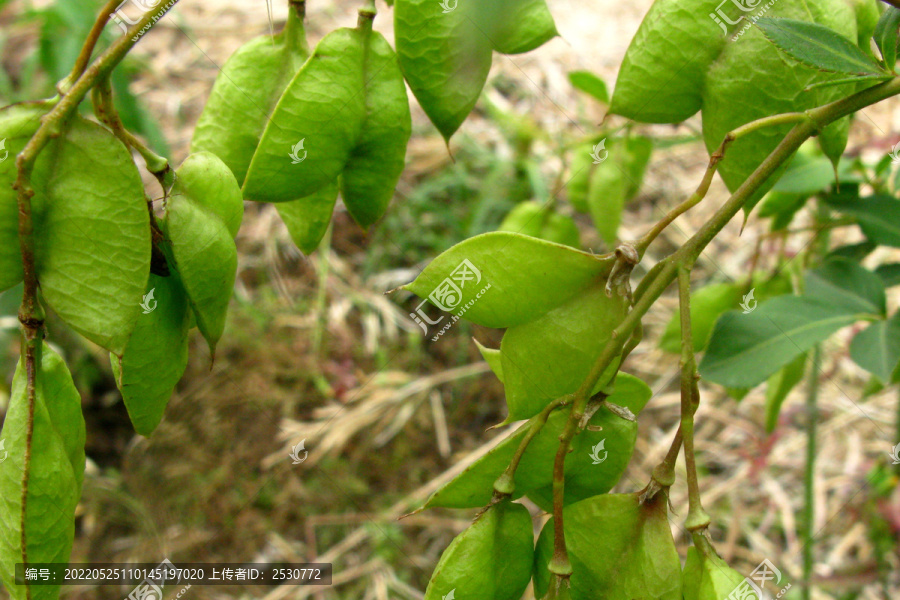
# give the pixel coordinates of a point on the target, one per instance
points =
(558, 316)
(733, 81)
(282, 125)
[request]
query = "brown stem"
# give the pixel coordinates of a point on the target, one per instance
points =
(84, 57)
(505, 484)
(31, 314)
(105, 111)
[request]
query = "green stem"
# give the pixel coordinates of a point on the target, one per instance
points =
(105, 111)
(84, 57)
(660, 277)
(505, 484)
(295, 30)
(711, 169)
(812, 416)
(31, 314)
(697, 518)
(366, 15)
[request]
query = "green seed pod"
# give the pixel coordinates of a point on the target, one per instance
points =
(204, 254)
(446, 54)
(732, 72)
(156, 355)
(599, 457)
(346, 112)
(205, 179)
(549, 357)
(379, 156)
(619, 549)
(91, 234)
(531, 219)
(244, 94)
(491, 560)
(706, 575)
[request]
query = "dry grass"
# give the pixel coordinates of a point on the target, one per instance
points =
(316, 352)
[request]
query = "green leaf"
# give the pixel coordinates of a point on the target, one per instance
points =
(806, 177)
(779, 386)
(492, 357)
(208, 182)
(156, 355)
(855, 252)
(887, 34)
(878, 216)
(205, 257)
(474, 486)
(590, 84)
(307, 219)
(877, 348)
(55, 470)
(527, 277)
(873, 79)
(706, 575)
(745, 349)
(92, 230)
(534, 220)
(551, 356)
(377, 160)
(491, 560)
(707, 303)
(619, 550)
(844, 283)
(889, 273)
(817, 46)
(243, 96)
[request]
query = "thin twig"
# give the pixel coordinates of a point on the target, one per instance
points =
(711, 169)
(697, 518)
(660, 277)
(505, 484)
(84, 57)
